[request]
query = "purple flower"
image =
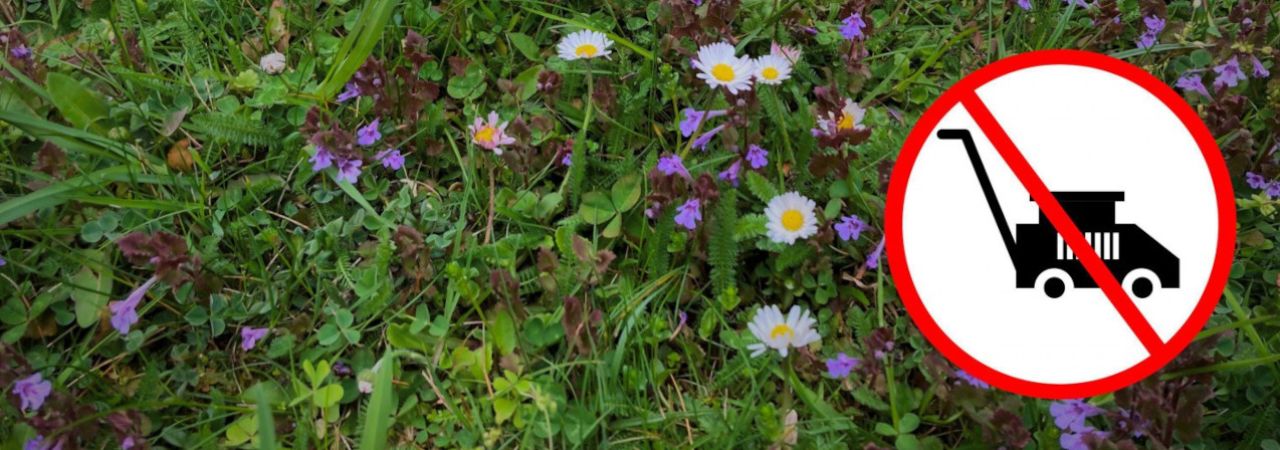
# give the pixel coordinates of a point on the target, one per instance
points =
(1155, 24)
(321, 160)
(128, 443)
(873, 260)
(1255, 180)
(32, 391)
(368, 134)
(853, 25)
(1081, 439)
(1024, 4)
(1228, 73)
(1070, 415)
(971, 380)
(672, 165)
(349, 170)
(390, 158)
(351, 91)
(1273, 189)
(3, 261)
(1190, 81)
(841, 365)
(684, 319)
(1146, 40)
(20, 52)
(124, 313)
(35, 443)
(567, 160)
(1259, 71)
(849, 227)
(701, 142)
(692, 118)
(689, 214)
(757, 156)
(249, 337)
(731, 174)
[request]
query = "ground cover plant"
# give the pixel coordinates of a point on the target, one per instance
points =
(487, 223)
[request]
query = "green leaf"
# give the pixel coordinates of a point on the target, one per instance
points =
(503, 408)
(907, 442)
(470, 85)
(241, 431)
(614, 228)
(382, 406)
(504, 331)
(403, 337)
(626, 192)
(595, 208)
(78, 104)
(327, 396)
(525, 44)
(91, 288)
(908, 423)
(760, 187)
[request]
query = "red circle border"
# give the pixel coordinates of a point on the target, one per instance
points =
(1217, 171)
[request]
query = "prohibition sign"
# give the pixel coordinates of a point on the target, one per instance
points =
(1115, 304)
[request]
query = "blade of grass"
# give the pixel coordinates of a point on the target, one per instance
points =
(358, 45)
(382, 406)
(266, 424)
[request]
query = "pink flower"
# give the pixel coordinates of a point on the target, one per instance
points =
(124, 313)
(791, 54)
(249, 337)
(491, 135)
(32, 391)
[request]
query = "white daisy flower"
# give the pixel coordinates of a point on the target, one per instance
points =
(781, 333)
(790, 217)
(851, 117)
(584, 44)
(772, 69)
(721, 67)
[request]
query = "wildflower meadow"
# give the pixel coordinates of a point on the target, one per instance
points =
(374, 224)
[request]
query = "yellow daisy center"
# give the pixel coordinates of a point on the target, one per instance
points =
(845, 123)
(769, 73)
(792, 220)
(586, 50)
(782, 329)
(485, 134)
(723, 72)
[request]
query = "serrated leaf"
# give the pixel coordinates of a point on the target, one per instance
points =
(760, 187)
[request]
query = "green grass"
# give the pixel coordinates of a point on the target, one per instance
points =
(515, 302)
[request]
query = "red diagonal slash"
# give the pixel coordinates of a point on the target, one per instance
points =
(1062, 222)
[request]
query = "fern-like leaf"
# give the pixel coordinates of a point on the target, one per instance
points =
(723, 248)
(234, 129)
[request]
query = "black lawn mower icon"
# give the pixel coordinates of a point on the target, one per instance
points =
(1044, 262)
